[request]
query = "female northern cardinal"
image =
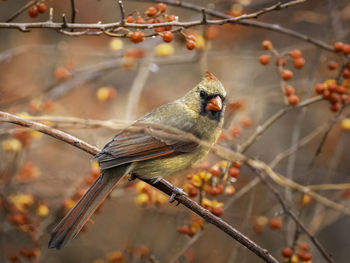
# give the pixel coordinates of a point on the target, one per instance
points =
(149, 152)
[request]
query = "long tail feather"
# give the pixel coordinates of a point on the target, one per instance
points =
(76, 218)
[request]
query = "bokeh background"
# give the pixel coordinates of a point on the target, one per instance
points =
(43, 72)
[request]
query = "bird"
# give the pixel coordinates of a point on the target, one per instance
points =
(145, 150)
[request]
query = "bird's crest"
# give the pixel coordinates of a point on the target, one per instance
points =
(210, 76)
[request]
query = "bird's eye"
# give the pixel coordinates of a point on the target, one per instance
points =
(202, 93)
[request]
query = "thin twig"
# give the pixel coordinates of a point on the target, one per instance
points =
(20, 11)
(74, 12)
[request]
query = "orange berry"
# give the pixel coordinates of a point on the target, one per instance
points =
(325, 94)
(171, 18)
(61, 73)
(287, 252)
(33, 11)
(140, 20)
(238, 165)
(235, 131)
(319, 88)
(190, 44)
(264, 59)
(215, 170)
(168, 36)
(137, 37)
(344, 98)
(151, 11)
(161, 7)
(89, 180)
(266, 45)
(341, 90)
(305, 256)
(346, 73)
(183, 230)
(193, 192)
(332, 65)
(332, 87)
(304, 247)
(286, 74)
(296, 53)
(234, 172)
(214, 191)
(289, 90)
(246, 122)
(334, 97)
(280, 61)
(299, 62)
(346, 49)
(129, 19)
(293, 100)
(275, 223)
(211, 33)
(217, 210)
(338, 46)
(335, 107)
(42, 8)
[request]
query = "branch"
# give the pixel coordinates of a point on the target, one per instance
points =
(162, 185)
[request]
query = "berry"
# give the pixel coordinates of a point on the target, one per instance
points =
(42, 8)
(304, 247)
(161, 7)
(140, 20)
(325, 94)
(33, 11)
(168, 36)
(215, 170)
(299, 62)
(334, 97)
(161, 28)
(346, 49)
(218, 211)
(332, 87)
(137, 37)
(246, 122)
(341, 90)
(233, 172)
(289, 90)
(190, 44)
(296, 53)
(344, 98)
(193, 192)
(293, 100)
(61, 73)
(266, 45)
(335, 107)
(305, 256)
(171, 18)
(338, 46)
(319, 88)
(129, 19)
(346, 73)
(211, 33)
(275, 223)
(264, 59)
(287, 252)
(151, 11)
(332, 65)
(286, 74)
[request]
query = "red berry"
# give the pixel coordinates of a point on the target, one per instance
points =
(129, 19)
(171, 18)
(215, 170)
(246, 122)
(140, 20)
(61, 73)
(332, 65)
(346, 73)
(168, 36)
(275, 223)
(296, 53)
(319, 88)
(211, 33)
(234, 172)
(305, 256)
(161, 7)
(346, 49)
(325, 94)
(286, 74)
(334, 97)
(238, 165)
(338, 46)
(137, 37)
(266, 45)
(341, 90)
(190, 44)
(335, 107)
(287, 252)
(42, 8)
(344, 98)
(289, 90)
(33, 11)
(293, 100)
(332, 87)
(218, 211)
(193, 192)
(151, 11)
(299, 62)
(264, 59)
(280, 61)
(304, 247)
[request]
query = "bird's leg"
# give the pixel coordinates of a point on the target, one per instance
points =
(176, 191)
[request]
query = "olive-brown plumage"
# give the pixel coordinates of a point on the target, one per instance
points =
(151, 152)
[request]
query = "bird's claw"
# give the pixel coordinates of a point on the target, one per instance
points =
(176, 191)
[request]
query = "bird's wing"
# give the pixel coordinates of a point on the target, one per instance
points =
(143, 142)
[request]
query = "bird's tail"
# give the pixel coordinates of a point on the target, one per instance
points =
(76, 218)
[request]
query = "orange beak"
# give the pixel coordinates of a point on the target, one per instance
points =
(215, 104)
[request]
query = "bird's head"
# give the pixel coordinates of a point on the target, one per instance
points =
(207, 98)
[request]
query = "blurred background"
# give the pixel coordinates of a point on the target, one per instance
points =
(45, 73)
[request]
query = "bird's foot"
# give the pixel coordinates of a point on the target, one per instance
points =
(176, 191)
